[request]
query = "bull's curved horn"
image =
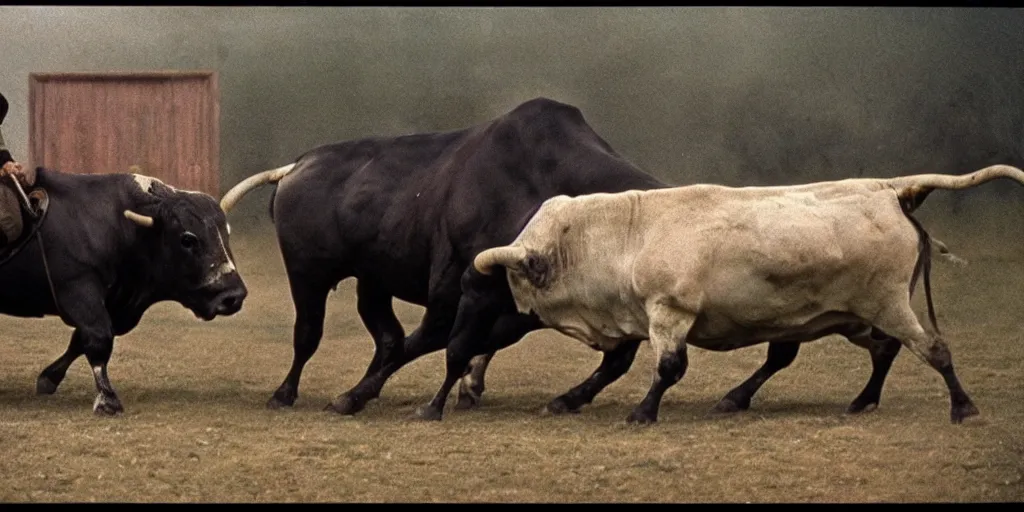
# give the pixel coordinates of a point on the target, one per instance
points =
(142, 220)
(505, 256)
(255, 181)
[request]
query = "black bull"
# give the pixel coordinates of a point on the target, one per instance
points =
(406, 216)
(114, 245)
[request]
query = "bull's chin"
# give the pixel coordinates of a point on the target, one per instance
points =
(205, 316)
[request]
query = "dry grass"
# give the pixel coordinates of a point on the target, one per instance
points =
(195, 428)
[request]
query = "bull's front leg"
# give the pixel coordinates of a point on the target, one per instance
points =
(83, 305)
(669, 328)
(471, 387)
(471, 325)
(483, 308)
(50, 378)
(614, 365)
(508, 329)
(98, 354)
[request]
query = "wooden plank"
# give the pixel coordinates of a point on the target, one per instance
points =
(212, 138)
(35, 112)
(167, 122)
(122, 75)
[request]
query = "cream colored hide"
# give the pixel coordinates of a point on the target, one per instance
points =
(722, 268)
(754, 267)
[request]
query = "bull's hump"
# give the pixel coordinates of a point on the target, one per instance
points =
(546, 108)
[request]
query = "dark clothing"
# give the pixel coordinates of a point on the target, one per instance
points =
(5, 156)
(10, 208)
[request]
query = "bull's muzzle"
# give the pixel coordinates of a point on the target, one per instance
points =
(222, 298)
(230, 302)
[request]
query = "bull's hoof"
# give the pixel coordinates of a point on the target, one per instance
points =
(107, 406)
(427, 413)
(467, 401)
(45, 386)
(862, 406)
(345, 404)
(280, 400)
(729, 406)
(638, 417)
(561, 405)
(958, 413)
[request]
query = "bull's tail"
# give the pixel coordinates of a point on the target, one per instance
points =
(946, 253)
(270, 204)
(913, 190)
(923, 265)
(253, 182)
(504, 256)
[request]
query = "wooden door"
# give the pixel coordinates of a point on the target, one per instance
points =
(164, 124)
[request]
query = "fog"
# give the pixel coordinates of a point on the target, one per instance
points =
(739, 96)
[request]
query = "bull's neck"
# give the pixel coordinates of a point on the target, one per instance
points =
(139, 283)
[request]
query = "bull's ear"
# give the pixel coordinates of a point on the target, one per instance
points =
(142, 220)
(537, 269)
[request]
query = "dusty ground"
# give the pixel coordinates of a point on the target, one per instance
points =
(195, 428)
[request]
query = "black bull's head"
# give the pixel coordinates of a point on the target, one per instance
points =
(188, 255)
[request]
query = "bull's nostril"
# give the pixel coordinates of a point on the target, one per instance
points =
(230, 303)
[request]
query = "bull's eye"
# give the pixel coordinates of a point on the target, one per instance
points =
(189, 240)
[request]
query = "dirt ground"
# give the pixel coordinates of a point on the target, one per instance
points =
(195, 426)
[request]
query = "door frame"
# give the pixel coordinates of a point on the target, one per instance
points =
(36, 80)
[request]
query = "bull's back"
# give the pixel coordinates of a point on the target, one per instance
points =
(359, 203)
(779, 262)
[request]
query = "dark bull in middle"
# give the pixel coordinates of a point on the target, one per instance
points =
(406, 216)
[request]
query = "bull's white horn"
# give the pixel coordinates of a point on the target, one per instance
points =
(505, 256)
(142, 220)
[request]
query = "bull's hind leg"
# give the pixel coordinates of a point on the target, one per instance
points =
(780, 355)
(901, 322)
(471, 387)
(378, 315)
(883, 349)
(669, 328)
(614, 365)
(309, 294)
(50, 378)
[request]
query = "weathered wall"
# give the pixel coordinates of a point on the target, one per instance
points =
(728, 95)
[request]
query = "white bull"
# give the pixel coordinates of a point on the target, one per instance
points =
(723, 268)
